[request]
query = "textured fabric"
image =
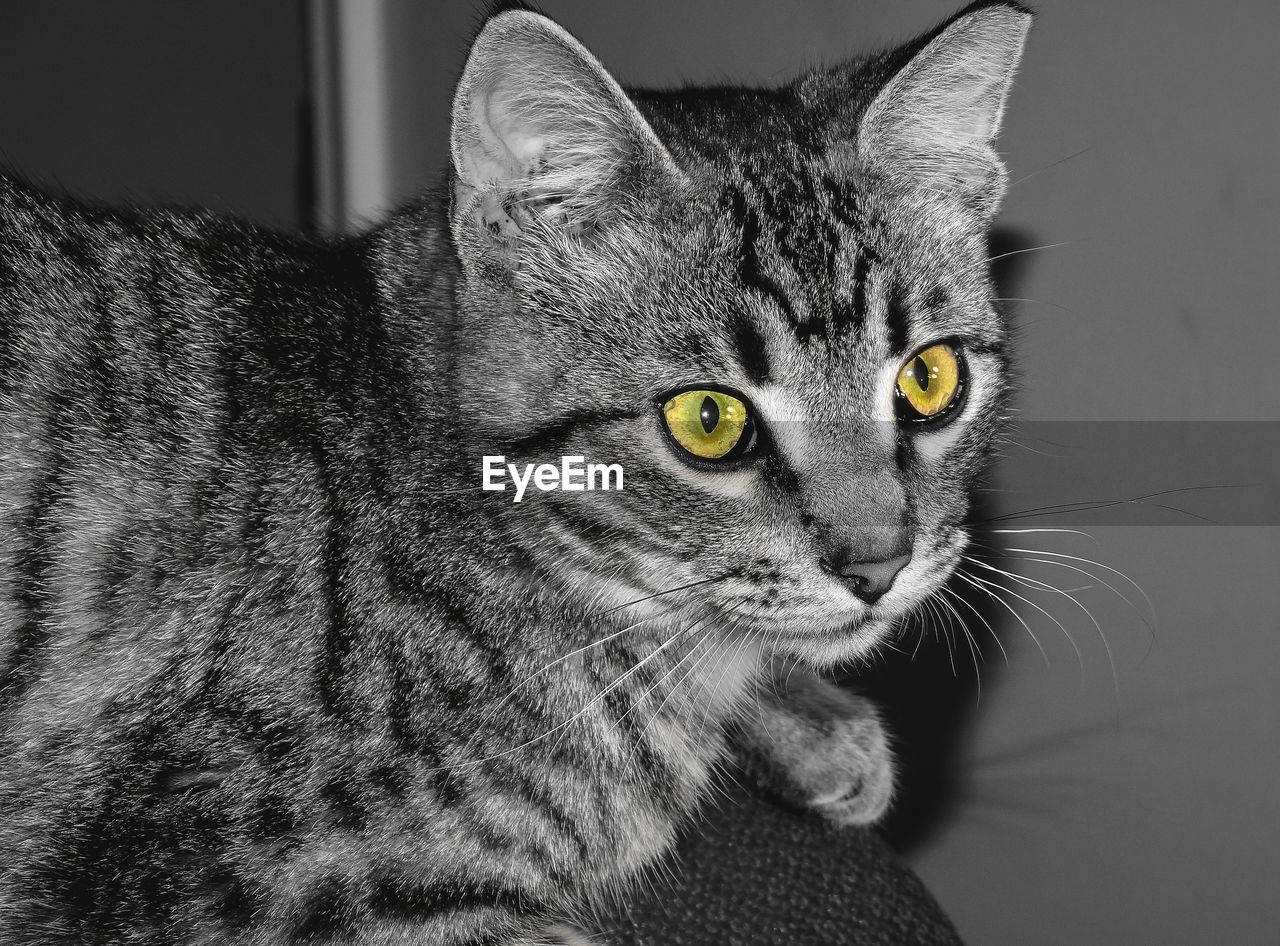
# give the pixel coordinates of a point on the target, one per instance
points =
(755, 874)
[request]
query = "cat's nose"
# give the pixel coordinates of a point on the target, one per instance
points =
(868, 580)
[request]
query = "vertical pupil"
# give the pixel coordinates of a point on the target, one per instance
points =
(709, 414)
(920, 373)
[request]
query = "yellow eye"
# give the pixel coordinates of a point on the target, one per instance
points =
(708, 424)
(929, 383)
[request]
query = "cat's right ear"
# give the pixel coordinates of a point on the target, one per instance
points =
(543, 137)
(935, 121)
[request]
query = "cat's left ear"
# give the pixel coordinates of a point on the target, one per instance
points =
(544, 137)
(935, 121)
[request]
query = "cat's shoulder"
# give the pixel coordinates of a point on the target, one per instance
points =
(48, 230)
(29, 210)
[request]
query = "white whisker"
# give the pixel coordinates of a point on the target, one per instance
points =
(706, 635)
(1008, 607)
(1032, 582)
(621, 679)
(1047, 587)
(994, 636)
(1115, 571)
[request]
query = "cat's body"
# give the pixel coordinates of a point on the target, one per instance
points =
(274, 668)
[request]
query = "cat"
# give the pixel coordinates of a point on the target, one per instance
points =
(274, 668)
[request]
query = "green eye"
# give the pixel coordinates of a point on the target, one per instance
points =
(709, 424)
(929, 383)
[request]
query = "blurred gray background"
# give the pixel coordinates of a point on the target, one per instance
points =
(1090, 797)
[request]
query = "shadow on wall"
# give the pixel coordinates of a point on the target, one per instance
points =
(928, 681)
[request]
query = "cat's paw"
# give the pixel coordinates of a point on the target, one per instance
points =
(848, 774)
(824, 749)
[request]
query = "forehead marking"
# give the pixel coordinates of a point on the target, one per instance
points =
(748, 346)
(897, 318)
(849, 316)
(793, 236)
(796, 249)
(750, 271)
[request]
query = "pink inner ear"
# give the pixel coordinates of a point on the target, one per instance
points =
(526, 149)
(515, 131)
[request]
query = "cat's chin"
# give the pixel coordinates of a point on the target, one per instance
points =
(840, 642)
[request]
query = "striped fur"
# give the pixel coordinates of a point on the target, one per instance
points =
(273, 668)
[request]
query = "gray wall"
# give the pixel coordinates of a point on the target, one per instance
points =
(154, 101)
(1065, 805)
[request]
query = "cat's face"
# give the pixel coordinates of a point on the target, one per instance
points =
(773, 312)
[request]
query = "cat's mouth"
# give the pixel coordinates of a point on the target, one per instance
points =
(846, 626)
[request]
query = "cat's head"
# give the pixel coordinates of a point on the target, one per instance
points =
(771, 307)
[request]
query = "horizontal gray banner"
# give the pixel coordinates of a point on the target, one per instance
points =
(1194, 473)
(1047, 473)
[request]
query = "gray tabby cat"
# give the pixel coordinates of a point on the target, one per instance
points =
(275, 669)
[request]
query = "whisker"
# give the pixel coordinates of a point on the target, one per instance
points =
(941, 627)
(1106, 643)
(621, 679)
(1032, 582)
(1088, 561)
(586, 647)
(724, 669)
(920, 640)
(1040, 647)
(994, 636)
(942, 599)
(1061, 626)
(925, 627)
(596, 700)
(1011, 442)
(950, 655)
(1151, 631)
(492, 714)
(706, 635)
(1049, 167)
(1079, 532)
(662, 679)
(786, 684)
(668, 591)
(1090, 506)
(1029, 249)
(974, 652)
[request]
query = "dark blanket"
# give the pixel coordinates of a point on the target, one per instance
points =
(756, 874)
